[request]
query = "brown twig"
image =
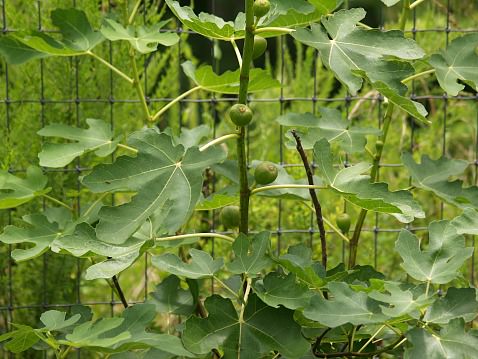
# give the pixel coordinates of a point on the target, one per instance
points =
(119, 291)
(313, 196)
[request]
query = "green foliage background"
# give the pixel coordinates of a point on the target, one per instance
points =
(74, 91)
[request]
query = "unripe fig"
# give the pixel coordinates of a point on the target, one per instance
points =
(266, 173)
(343, 222)
(230, 216)
(260, 46)
(261, 8)
(241, 115)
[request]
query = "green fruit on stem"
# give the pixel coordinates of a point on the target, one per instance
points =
(261, 8)
(343, 222)
(230, 216)
(265, 173)
(241, 115)
(260, 46)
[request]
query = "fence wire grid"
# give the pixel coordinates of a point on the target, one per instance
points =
(82, 292)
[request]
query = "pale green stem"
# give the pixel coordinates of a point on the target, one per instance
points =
(134, 12)
(283, 30)
(225, 286)
(245, 299)
(416, 76)
(131, 149)
(284, 186)
(103, 195)
(237, 51)
(57, 201)
(175, 101)
(371, 338)
(111, 67)
(336, 230)
(328, 223)
(395, 330)
(416, 3)
(137, 85)
(428, 288)
(400, 343)
(243, 308)
(369, 152)
(218, 141)
(365, 26)
(65, 353)
(194, 235)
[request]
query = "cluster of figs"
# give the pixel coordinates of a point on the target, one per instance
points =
(241, 115)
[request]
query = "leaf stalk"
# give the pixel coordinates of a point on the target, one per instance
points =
(218, 141)
(173, 102)
(111, 67)
(194, 235)
(416, 76)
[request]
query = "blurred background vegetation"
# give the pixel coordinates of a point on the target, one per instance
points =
(70, 91)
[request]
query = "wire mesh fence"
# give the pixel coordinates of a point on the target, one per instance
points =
(79, 90)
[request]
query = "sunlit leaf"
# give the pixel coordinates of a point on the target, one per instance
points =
(144, 39)
(19, 340)
(56, 320)
(348, 50)
(467, 222)
(42, 230)
(98, 138)
(17, 53)
(390, 2)
(84, 243)
(459, 62)
(124, 333)
(205, 24)
(229, 81)
(77, 38)
(296, 13)
(433, 175)
(413, 108)
(168, 181)
(202, 265)
(357, 188)
(15, 191)
(440, 261)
